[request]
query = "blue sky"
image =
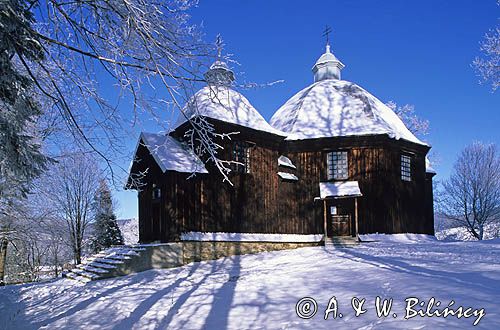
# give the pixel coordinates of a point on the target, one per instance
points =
(416, 52)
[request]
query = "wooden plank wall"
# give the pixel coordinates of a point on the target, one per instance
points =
(257, 202)
(261, 202)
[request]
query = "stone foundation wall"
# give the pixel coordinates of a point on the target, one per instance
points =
(153, 256)
(198, 251)
(168, 255)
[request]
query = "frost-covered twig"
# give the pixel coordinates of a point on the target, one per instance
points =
(406, 113)
(488, 66)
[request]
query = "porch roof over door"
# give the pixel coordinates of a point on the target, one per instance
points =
(339, 189)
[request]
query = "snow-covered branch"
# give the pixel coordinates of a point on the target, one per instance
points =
(488, 65)
(415, 124)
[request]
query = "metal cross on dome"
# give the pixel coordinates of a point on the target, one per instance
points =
(326, 33)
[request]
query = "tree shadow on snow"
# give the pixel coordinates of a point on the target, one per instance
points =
(149, 302)
(218, 318)
(148, 276)
(479, 283)
(221, 298)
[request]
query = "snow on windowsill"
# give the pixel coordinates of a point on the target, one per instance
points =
(288, 176)
(285, 161)
(250, 237)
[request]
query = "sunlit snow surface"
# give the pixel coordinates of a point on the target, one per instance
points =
(227, 105)
(333, 108)
(260, 291)
(171, 155)
(338, 189)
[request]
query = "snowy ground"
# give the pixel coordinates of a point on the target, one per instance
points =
(261, 291)
(462, 234)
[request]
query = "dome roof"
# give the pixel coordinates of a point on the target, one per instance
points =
(227, 105)
(219, 74)
(327, 66)
(219, 65)
(328, 57)
(332, 108)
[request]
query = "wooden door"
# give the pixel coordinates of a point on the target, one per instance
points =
(341, 225)
(340, 217)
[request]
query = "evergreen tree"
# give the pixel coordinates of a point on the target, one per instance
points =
(21, 159)
(106, 230)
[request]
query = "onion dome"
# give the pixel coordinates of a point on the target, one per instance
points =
(219, 101)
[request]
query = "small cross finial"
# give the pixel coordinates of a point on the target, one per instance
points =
(219, 44)
(326, 33)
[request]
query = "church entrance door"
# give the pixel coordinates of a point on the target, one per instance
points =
(341, 225)
(340, 217)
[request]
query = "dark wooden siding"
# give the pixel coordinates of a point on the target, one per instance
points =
(389, 204)
(261, 202)
(257, 202)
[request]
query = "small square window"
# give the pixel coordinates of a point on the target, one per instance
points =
(337, 165)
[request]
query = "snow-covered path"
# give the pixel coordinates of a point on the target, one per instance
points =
(261, 291)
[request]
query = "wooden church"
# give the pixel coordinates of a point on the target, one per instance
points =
(333, 160)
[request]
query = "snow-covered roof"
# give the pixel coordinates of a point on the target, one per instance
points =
(288, 176)
(285, 161)
(219, 65)
(339, 189)
(227, 105)
(326, 57)
(333, 108)
(171, 155)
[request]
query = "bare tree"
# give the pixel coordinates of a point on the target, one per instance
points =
(39, 246)
(23, 260)
(98, 69)
(148, 49)
(71, 186)
(49, 226)
(38, 237)
(471, 196)
(415, 124)
(488, 65)
(26, 258)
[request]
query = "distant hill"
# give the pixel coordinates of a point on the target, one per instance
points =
(130, 230)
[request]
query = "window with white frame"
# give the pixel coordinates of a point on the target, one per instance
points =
(405, 167)
(338, 167)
